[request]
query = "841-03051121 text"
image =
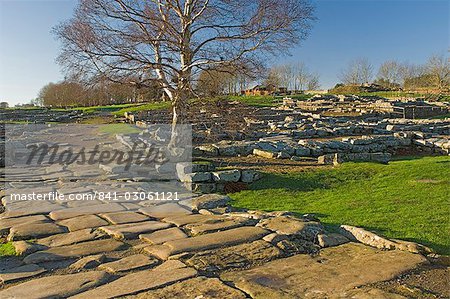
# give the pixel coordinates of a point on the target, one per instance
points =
(95, 195)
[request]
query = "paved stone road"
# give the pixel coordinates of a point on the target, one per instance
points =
(178, 249)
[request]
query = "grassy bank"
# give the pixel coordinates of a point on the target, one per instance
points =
(407, 199)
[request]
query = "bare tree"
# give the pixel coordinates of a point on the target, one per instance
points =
(301, 76)
(313, 82)
(358, 71)
(438, 67)
(274, 77)
(390, 72)
(171, 41)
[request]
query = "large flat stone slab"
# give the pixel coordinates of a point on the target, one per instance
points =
(213, 226)
(21, 272)
(138, 282)
(199, 287)
(86, 210)
(208, 201)
(82, 222)
(132, 230)
(34, 230)
(214, 240)
(74, 251)
(286, 225)
(88, 262)
(58, 286)
(7, 223)
(25, 247)
(124, 217)
(27, 208)
(331, 274)
(70, 238)
(161, 236)
(128, 263)
(239, 256)
(194, 218)
(165, 210)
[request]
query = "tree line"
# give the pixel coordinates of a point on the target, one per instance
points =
(392, 74)
(294, 77)
(70, 93)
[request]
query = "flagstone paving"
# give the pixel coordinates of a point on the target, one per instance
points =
(196, 247)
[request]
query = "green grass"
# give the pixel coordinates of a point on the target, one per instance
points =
(7, 249)
(407, 199)
(144, 107)
(110, 108)
(119, 129)
(264, 101)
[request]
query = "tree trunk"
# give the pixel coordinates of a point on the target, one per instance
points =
(179, 111)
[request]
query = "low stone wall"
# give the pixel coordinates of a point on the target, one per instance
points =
(204, 178)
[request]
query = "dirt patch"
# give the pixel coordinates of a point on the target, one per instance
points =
(428, 281)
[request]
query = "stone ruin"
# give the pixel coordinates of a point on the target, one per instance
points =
(200, 244)
(40, 115)
(368, 105)
(326, 129)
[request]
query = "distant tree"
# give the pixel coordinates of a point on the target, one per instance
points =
(170, 42)
(386, 84)
(37, 102)
(390, 74)
(274, 77)
(438, 66)
(62, 94)
(413, 76)
(313, 82)
(358, 71)
(226, 80)
(292, 76)
(302, 76)
(213, 82)
(103, 92)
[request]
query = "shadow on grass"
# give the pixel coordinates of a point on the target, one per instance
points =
(300, 183)
(313, 180)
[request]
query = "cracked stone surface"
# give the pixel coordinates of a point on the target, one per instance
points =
(333, 272)
(55, 286)
(197, 247)
(128, 263)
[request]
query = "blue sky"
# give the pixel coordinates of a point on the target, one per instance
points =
(404, 30)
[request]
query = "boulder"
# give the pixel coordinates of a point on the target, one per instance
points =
(226, 175)
(354, 233)
(286, 225)
(250, 176)
(330, 240)
(264, 154)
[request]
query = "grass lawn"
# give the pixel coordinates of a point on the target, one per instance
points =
(144, 107)
(119, 129)
(408, 199)
(110, 108)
